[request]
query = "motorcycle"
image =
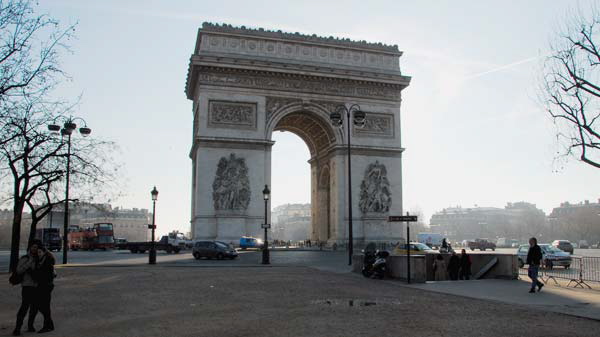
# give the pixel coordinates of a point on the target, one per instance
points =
(375, 264)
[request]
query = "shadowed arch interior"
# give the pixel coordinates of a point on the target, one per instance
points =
(310, 128)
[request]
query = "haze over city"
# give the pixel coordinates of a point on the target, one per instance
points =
(472, 126)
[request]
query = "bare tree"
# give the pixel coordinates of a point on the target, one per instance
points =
(30, 47)
(571, 87)
(34, 159)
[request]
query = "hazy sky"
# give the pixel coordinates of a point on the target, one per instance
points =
(472, 128)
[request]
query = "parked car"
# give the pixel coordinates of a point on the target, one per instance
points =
(250, 242)
(551, 256)
(564, 245)
(416, 248)
(120, 243)
(583, 244)
(213, 249)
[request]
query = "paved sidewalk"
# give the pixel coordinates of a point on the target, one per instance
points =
(170, 300)
(570, 301)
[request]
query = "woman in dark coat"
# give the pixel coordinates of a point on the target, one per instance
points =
(453, 266)
(465, 265)
(44, 276)
(26, 269)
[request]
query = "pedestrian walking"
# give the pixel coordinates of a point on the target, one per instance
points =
(453, 266)
(534, 259)
(25, 269)
(44, 276)
(465, 265)
(439, 268)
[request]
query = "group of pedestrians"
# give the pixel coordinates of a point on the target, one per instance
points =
(458, 267)
(35, 273)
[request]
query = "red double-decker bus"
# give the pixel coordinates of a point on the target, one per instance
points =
(99, 236)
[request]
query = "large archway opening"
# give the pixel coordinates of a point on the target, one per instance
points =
(290, 188)
(311, 127)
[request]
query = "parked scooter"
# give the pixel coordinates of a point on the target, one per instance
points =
(375, 264)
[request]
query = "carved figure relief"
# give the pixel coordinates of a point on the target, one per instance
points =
(232, 115)
(376, 124)
(231, 188)
(375, 193)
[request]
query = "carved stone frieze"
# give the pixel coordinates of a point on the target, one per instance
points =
(234, 115)
(231, 187)
(329, 106)
(375, 192)
(304, 84)
(376, 125)
(295, 51)
(276, 103)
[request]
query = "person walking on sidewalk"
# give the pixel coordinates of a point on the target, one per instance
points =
(44, 275)
(25, 269)
(465, 265)
(534, 259)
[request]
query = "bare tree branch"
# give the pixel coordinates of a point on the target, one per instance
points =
(571, 93)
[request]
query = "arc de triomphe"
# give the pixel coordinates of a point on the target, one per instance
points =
(248, 83)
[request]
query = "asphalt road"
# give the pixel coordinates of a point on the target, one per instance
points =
(324, 260)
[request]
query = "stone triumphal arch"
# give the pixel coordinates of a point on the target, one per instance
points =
(247, 84)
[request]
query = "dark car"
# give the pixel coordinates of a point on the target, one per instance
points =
(120, 243)
(213, 249)
(564, 245)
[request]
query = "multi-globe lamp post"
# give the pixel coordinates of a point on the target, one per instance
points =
(152, 253)
(358, 119)
(265, 250)
(69, 126)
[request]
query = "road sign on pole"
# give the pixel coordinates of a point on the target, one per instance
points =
(267, 226)
(402, 218)
(408, 219)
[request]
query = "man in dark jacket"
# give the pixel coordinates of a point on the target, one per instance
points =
(534, 259)
(465, 265)
(453, 266)
(44, 276)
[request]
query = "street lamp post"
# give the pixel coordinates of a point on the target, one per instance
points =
(358, 119)
(265, 250)
(66, 131)
(152, 254)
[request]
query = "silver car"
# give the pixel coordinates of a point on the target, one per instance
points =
(551, 256)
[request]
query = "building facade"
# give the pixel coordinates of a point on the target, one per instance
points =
(518, 220)
(576, 222)
(291, 222)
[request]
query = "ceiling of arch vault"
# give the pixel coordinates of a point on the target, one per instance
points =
(310, 128)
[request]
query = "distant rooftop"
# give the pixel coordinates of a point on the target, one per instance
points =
(278, 34)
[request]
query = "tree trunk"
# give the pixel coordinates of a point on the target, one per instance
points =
(16, 234)
(32, 230)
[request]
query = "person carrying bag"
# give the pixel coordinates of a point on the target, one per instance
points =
(24, 275)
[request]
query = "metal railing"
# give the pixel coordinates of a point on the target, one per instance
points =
(581, 271)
